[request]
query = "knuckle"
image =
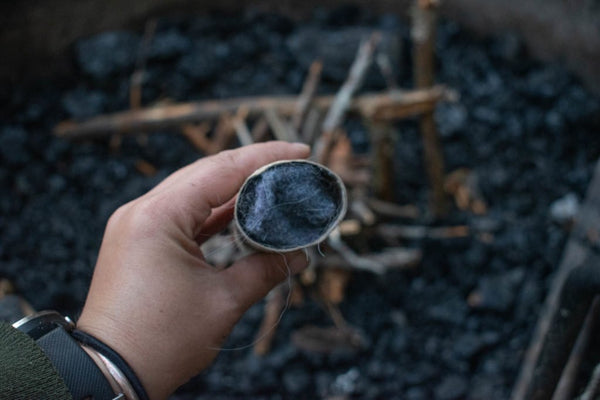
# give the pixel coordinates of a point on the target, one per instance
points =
(136, 219)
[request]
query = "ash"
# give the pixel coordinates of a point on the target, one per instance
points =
(528, 130)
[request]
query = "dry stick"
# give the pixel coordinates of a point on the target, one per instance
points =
(343, 99)
(223, 135)
(386, 260)
(359, 207)
(593, 388)
(380, 106)
(350, 258)
(280, 128)
(564, 389)
(576, 252)
(196, 134)
(424, 17)
(260, 130)
(274, 305)
(145, 168)
(422, 232)
(309, 90)
(241, 129)
(311, 126)
(393, 210)
(382, 159)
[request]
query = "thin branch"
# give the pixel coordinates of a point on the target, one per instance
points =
(380, 106)
(336, 113)
(309, 90)
(241, 129)
(281, 130)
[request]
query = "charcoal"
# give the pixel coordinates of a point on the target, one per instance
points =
(10, 308)
(295, 380)
(452, 119)
(497, 293)
(14, 146)
(202, 62)
(528, 129)
(453, 387)
(167, 45)
(107, 54)
(81, 104)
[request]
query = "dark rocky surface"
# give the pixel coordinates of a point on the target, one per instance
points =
(528, 130)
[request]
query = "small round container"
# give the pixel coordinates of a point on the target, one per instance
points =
(289, 205)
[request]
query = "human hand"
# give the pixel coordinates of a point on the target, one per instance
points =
(154, 298)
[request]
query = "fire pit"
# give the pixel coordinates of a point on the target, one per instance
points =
(464, 183)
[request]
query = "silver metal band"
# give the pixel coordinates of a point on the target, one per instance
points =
(113, 374)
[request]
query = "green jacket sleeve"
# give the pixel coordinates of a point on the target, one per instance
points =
(25, 371)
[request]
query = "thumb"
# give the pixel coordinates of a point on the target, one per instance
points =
(252, 277)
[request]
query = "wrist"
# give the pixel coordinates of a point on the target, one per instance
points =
(138, 353)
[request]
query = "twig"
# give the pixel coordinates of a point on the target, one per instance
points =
(593, 388)
(350, 227)
(332, 285)
(564, 389)
(274, 305)
(309, 90)
(281, 130)
(423, 33)
(382, 155)
(380, 106)
(310, 129)
(359, 207)
(340, 106)
(387, 209)
(223, 134)
(363, 60)
(377, 263)
(342, 162)
(576, 252)
(422, 232)
(241, 129)
(350, 257)
(260, 130)
(145, 168)
(389, 259)
(196, 134)
(328, 340)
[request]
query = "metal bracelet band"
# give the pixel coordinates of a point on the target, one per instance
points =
(113, 374)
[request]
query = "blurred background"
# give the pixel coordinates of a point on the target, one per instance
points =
(466, 132)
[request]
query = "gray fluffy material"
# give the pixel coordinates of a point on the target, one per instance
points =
(289, 205)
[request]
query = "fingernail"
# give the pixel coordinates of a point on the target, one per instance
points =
(301, 147)
(298, 261)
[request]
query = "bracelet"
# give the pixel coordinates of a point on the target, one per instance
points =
(109, 357)
(113, 374)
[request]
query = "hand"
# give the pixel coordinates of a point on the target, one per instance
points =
(154, 298)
